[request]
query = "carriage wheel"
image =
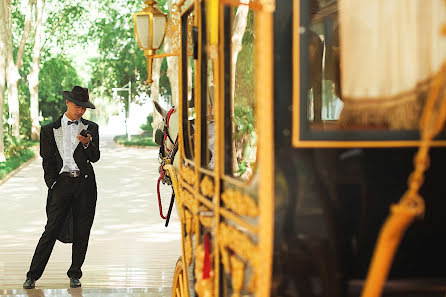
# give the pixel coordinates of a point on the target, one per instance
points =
(179, 289)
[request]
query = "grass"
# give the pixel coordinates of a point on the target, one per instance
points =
(136, 140)
(15, 162)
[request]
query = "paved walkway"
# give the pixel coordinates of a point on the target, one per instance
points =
(129, 245)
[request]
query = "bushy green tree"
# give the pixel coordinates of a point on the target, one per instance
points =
(57, 75)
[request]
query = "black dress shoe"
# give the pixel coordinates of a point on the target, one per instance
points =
(29, 283)
(75, 282)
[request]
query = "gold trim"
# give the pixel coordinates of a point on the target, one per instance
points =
(188, 221)
(173, 31)
(206, 221)
(241, 204)
(186, 8)
(363, 144)
(203, 287)
(236, 182)
(187, 199)
(205, 201)
(188, 249)
(207, 186)
(217, 67)
(237, 220)
(237, 275)
(240, 243)
(173, 176)
(188, 175)
(296, 73)
(264, 55)
(206, 171)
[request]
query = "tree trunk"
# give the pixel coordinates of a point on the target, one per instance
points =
(155, 92)
(13, 75)
(2, 74)
(238, 30)
(33, 77)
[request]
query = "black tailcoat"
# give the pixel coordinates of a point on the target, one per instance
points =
(51, 148)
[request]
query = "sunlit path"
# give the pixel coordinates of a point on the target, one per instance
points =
(129, 245)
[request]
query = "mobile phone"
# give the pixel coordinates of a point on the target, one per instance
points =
(85, 132)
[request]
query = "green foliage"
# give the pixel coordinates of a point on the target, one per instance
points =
(136, 140)
(14, 146)
(244, 73)
(244, 121)
(147, 126)
(14, 162)
(120, 59)
(57, 75)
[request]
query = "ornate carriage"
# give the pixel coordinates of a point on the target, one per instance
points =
(298, 124)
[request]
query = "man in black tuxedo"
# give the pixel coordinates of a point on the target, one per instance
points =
(67, 156)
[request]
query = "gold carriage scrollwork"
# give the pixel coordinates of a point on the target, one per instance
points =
(188, 175)
(203, 287)
(239, 203)
(229, 237)
(207, 186)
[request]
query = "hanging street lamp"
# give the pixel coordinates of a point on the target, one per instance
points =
(150, 29)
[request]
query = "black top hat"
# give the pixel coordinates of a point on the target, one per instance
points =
(79, 96)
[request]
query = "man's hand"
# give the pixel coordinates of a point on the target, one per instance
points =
(85, 140)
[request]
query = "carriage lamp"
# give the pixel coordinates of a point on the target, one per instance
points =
(150, 28)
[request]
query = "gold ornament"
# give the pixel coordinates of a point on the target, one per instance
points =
(229, 237)
(237, 275)
(188, 175)
(188, 249)
(189, 220)
(241, 204)
(203, 287)
(207, 186)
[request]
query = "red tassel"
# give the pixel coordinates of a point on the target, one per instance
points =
(207, 257)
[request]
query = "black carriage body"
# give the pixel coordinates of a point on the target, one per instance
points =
(330, 203)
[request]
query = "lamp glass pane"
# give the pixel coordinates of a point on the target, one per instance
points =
(143, 28)
(159, 25)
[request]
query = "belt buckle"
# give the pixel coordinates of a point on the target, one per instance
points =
(75, 173)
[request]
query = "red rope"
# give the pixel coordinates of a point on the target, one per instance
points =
(160, 206)
(159, 196)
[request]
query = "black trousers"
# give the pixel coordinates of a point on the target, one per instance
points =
(79, 194)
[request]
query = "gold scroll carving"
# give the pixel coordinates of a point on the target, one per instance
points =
(241, 204)
(203, 287)
(188, 175)
(187, 199)
(229, 237)
(188, 249)
(207, 186)
(188, 221)
(237, 275)
(173, 36)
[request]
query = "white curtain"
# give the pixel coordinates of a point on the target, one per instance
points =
(390, 50)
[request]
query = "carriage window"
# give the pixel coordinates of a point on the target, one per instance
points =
(371, 93)
(188, 84)
(241, 95)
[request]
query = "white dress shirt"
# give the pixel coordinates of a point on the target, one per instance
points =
(70, 142)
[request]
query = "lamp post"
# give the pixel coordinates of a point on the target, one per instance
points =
(150, 29)
(127, 110)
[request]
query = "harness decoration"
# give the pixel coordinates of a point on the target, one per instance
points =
(166, 159)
